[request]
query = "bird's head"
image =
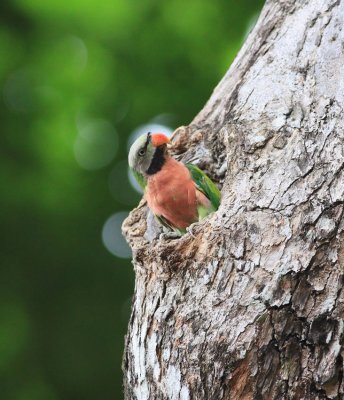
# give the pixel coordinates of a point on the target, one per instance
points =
(147, 154)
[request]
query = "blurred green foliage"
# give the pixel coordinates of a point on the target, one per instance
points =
(77, 77)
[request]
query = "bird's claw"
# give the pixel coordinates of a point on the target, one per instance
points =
(169, 235)
(189, 229)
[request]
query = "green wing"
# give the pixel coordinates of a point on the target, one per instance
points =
(141, 180)
(205, 185)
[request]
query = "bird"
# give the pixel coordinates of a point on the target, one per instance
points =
(178, 194)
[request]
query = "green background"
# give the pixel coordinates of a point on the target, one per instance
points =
(77, 78)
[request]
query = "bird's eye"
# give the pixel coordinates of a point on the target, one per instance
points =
(142, 152)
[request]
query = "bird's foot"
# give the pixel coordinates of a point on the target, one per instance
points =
(169, 235)
(189, 229)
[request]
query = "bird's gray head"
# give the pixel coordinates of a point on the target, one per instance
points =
(147, 153)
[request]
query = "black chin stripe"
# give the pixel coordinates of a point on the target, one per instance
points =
(158, 161)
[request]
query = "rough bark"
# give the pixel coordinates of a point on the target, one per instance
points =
(251, 305)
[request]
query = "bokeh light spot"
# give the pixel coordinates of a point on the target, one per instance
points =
(120, 186)
(96, 144)
(80, 52)
(112, 236)
(18, 92)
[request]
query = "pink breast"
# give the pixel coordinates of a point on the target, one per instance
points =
(171, 193)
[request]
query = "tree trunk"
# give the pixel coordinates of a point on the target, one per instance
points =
(250, 305)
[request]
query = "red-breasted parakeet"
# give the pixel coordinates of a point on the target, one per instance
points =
(178, 194)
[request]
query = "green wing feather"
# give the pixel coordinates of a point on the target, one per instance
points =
(205, 185)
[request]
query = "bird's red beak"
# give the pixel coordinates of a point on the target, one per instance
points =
(159, 139)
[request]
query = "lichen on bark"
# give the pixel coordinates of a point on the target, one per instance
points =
(250, 305)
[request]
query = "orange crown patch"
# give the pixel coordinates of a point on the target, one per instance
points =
(159, 138)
